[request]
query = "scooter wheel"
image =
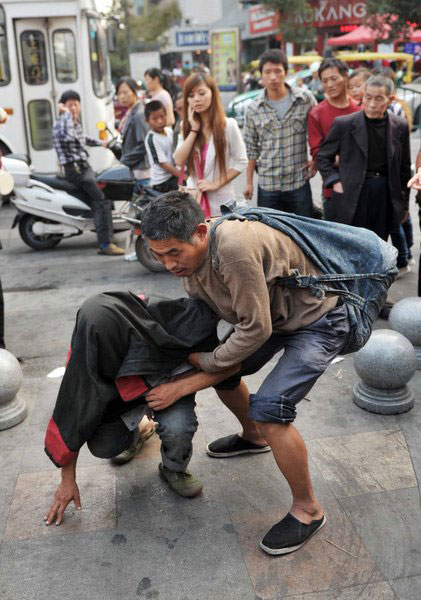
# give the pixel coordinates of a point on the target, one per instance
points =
(145, 257)
(37, 242)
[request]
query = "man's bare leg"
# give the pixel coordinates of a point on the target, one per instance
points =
(290, 453)
(237, 401)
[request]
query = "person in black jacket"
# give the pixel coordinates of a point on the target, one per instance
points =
(366, 159)
(123, 354)
(133, 131)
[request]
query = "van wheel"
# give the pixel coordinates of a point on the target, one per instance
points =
(145, 257)
(37, 242)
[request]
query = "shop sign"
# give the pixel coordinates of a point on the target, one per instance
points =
(192, 38)
(338, 12)
(262, 20)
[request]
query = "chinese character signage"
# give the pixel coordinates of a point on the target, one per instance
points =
(225, 58)
(262, 20)
(192, 38)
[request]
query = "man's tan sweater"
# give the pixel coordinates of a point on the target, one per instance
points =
(244, 291)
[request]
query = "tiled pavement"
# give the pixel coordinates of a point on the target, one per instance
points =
(135, 538)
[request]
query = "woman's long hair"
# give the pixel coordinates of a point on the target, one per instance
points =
(217, 120)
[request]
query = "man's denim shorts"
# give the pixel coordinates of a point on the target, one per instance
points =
(307, 354)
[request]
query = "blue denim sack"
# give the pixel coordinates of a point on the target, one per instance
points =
(356, 264)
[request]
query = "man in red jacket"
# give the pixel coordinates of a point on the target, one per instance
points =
(333, 74)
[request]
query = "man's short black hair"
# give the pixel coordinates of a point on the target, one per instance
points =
(153, 106)
(273, 55)
(69, 95)
(175, 214)
(332, 63)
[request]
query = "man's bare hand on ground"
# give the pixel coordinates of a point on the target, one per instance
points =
(65, 493)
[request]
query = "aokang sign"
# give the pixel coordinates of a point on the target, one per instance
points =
(337, 12)
(324, 13)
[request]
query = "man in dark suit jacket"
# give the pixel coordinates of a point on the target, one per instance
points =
(366, 159)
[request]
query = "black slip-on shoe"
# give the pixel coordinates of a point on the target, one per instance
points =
(289, 535)
(234, 445)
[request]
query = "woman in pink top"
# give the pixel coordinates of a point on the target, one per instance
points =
(154, 79)
(209, 145)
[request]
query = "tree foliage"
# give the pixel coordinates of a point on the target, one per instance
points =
(400, 15)
(295, 20)
(139, 30)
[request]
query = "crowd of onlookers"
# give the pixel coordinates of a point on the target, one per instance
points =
(357, 137)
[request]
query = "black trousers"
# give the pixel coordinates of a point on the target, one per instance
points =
(81, 175)
(374, 209)
(168, 185)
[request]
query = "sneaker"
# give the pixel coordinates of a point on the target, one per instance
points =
(111, 250)
(289, 534)
(132, 257)
(182, 483)
(234, 445)
(411, 261)
(133, 450)
(403, 271)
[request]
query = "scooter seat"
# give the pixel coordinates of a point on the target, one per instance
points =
(60, 183)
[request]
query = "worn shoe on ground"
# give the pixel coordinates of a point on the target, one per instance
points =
(234, 445)
(111, 250)
(289, 535)
(133, 450)
(182, 483)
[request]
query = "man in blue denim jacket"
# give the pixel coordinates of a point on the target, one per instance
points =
(270, 275)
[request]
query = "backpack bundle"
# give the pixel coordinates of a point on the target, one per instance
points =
(355, 263)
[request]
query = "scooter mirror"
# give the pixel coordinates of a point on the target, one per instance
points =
(101, 125)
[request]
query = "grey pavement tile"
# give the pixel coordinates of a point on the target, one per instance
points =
(166, 560)
(364, 462)
(369, 591)
(390, 525)
(34, 493)
(408, 588)
(320, 566)
(410, 423)
(7, 488)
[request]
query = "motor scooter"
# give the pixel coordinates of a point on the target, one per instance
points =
(50, 208)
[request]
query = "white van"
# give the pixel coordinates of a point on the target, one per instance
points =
(47, 47)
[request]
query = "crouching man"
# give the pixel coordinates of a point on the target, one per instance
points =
(123, 353)
(234, 265)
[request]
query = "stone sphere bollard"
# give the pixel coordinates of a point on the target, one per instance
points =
(405, 317)
(12, 408)
(385, 364)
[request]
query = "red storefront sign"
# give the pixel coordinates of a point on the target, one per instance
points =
(262, 20)
(324, 13)
(338, 12)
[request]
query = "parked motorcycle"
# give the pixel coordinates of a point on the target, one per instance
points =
(50, 208)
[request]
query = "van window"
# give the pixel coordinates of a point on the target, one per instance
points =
(100, 65)
(4, 54)
(34, 57)
(65, 56)
(40, 123)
